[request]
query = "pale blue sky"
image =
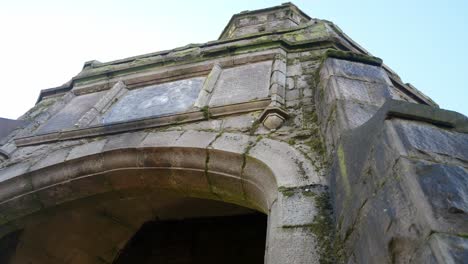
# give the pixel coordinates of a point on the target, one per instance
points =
(45, 43)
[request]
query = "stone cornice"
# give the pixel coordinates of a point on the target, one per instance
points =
(193, 53)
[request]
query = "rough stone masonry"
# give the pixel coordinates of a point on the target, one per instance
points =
(284, 114)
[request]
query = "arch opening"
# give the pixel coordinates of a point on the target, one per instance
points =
(208, 240)
(100, 229)
(91, 207)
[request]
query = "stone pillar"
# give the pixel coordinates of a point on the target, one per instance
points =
(399, 176)
(275, 114)
(299, 227)
(278, 80)
(349, 92)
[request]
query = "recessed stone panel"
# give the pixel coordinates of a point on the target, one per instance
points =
(155, 100)
(242, 84)
(71, 113)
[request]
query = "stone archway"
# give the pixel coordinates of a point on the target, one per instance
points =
(129, 173)
(98, 230)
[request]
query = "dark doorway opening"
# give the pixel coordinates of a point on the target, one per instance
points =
(8, 245)
(226, 239)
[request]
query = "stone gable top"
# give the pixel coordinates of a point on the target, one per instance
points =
(284, 16)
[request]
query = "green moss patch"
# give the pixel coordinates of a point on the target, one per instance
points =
(351, 56)
(287, 191)
(206, 112)
(329, 246)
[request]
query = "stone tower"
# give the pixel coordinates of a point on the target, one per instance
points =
(283, 141)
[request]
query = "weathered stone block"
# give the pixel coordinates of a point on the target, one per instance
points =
(241, 122)
(89, 148)
(446, 189)
(298, 207)
(67, 117)
(293, 245)
(191, 182)
(14, 171)
(156, 100)
(125, 140)
(303, 82)
(209, 125)
(293, 94)
(15, 185)
(223, 162)
(294, 70)
(279, 64)
(278, 78)
(431, 139)
(161, 139)
(242, 84)
(356, 70)
(53, 158)
(156, 179)
(195, 139)
(277, 89)
(227, 187)
(444, 248)
(290, 83)
(349, 89)
(231, 142)
(292, 169)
